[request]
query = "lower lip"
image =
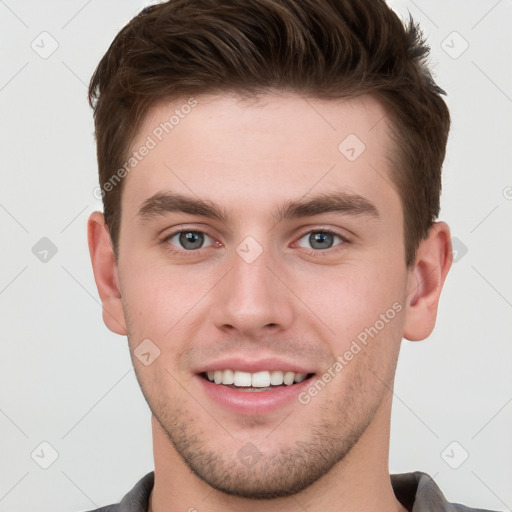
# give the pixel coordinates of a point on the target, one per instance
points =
(252, 402)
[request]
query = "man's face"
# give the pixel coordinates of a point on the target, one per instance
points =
(276, 250)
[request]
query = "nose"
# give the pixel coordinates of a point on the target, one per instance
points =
(251, 300)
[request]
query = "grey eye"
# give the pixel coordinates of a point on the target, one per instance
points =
(190, 240)
(319, 240)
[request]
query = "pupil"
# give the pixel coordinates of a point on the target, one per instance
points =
(191, 240)
(321, 240)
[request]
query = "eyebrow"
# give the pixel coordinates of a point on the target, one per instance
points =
(162, 203)
(340, 202)
(167, 202)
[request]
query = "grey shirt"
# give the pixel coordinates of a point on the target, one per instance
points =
(416, 491)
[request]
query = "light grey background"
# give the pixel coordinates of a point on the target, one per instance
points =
(67, 381)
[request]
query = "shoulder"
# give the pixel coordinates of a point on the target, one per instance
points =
(136, 500)
(107, 508)
(418, 492)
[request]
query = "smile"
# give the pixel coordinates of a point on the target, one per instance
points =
(253, 394)
(261, 379)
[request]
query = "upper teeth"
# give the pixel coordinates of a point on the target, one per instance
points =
(255, 380)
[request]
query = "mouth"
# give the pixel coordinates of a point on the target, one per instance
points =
(245, 387)
(254, 394)
(255, 382)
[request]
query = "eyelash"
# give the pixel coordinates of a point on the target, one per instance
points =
(323, 252)
(174, 250)
(311, 252)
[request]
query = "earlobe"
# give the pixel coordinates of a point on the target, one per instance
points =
(426, 279)
(105, 273)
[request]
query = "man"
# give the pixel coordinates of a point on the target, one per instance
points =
(270, 172)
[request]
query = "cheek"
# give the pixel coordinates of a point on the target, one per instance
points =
(154, 297)
(353, 297)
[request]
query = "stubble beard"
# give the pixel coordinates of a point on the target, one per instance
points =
(284, 472)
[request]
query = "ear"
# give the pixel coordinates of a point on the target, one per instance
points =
(105, 273)
(425, 282)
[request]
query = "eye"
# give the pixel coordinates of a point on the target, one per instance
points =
(320, 240)
(189, 240)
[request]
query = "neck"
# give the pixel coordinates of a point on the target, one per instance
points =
(359, 482)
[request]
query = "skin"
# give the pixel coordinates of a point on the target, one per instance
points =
(300, 303)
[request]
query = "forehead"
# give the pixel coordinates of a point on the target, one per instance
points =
(279, 145)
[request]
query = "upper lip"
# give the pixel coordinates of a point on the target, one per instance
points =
(253, 366)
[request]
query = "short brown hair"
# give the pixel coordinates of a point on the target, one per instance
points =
(316, 48)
